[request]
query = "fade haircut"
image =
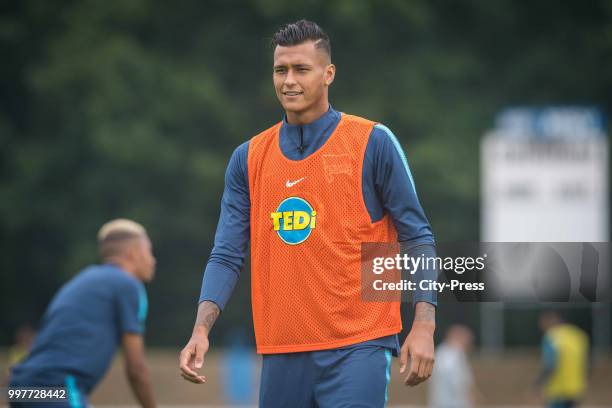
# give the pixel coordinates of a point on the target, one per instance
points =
(299, 32)
(114, 235)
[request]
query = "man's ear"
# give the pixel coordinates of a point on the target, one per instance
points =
(131, 251)
(330, 74)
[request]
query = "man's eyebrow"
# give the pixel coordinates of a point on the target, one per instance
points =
(298, 65)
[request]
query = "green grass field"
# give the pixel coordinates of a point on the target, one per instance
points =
(504, 382)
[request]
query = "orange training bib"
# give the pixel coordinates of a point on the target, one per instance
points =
(308, 220)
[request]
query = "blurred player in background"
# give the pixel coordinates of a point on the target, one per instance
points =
(307, 192)
(452, 382)
(23, 342)
(104, 306)
(239, 369)
(565, 362)
(24, 335)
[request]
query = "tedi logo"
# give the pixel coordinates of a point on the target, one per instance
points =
(294, 220)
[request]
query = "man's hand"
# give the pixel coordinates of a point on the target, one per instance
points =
(417, 353)
(192, 356)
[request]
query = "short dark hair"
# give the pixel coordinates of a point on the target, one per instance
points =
(300, 32)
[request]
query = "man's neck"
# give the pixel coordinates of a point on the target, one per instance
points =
(121, 264)
(308, 116)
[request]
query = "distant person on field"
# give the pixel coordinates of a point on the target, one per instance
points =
(102, 307)
(239, 370)
(565, 360)
(452, 382)
(24, 335)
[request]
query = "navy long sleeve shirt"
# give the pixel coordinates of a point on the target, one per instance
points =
(388, 187)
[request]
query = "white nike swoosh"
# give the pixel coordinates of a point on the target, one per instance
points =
(293, 183)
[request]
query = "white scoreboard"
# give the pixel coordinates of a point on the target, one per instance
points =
(544, 177)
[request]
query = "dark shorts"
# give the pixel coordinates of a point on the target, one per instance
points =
(562, 404)
(356, 376)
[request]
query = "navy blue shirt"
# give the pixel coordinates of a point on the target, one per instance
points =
(388, 187)
(82, 328)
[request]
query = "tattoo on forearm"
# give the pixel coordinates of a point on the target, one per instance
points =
(425, 312)
(207, 314)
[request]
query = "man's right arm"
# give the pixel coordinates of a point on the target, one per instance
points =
(136, 369)
(232, 235)
(192, 356)
(224, 264)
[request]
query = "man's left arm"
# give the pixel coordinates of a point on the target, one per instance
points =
(549, 362)
(394, 186)
(417, 353)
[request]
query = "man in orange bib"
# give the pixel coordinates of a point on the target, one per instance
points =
(306, 193)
